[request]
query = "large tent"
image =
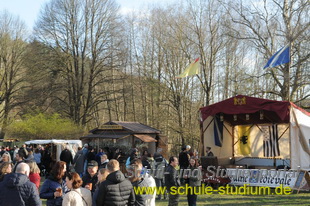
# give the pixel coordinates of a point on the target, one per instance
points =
(255, 117)
(60, 144)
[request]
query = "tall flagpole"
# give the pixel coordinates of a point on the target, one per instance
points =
(288, 73)
(289, 98)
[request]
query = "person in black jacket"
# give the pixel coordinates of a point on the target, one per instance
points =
(184, 161)
(47, 161)
(20, 157)
(144, 159)
(91, 155)
(208, 152)
(172, 181)
(91, 177)
(66, 156)
(184, 158)
(116, 189)
(16, 188)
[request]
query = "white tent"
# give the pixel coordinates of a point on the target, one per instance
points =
(300, 138)
(60, 145)
(255, 114)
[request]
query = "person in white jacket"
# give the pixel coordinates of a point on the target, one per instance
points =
(78, 196)
(140, 178)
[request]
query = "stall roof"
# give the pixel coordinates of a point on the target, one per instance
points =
(271, 111)
(145, 138)
(137, 127)
(119, 130)
(105, 136)
(133, 127)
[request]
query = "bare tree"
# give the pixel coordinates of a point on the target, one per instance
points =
(85, 35)
(167, 53)
(270, 25)
(12, 49)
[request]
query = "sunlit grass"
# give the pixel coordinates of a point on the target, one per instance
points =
(303, 198)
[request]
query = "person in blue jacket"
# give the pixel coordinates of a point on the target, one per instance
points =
(50, 189)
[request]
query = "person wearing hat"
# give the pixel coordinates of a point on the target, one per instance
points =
(91, 178)
(208, 152)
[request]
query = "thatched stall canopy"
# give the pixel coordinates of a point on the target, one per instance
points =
(126, 134)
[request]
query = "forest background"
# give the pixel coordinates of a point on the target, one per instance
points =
(86, 63)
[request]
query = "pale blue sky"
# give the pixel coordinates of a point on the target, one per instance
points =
(28, 10)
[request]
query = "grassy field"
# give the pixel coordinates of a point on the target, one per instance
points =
(216, 199)
(301, 199)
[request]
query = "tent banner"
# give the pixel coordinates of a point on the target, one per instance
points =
(218, 131)
(244, 139)
(271, 141)
(262, 177)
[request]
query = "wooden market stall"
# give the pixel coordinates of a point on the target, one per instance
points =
(126, 135)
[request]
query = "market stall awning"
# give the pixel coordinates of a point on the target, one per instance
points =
(240, 109)
(54, 141)
(145, 138)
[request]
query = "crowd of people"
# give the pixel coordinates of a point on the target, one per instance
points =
(91, 178)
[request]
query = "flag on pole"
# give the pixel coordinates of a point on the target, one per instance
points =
(271, 143)
(280, 57)
(218, 131)
(192, 69)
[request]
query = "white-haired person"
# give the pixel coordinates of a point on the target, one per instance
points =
(16, 188)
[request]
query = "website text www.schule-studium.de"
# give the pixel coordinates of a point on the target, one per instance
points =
(280, 177)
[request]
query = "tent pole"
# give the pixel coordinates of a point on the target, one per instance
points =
(233, 141)
(201, 145)
(290, 142)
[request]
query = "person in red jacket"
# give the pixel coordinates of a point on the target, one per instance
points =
(34, 175)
